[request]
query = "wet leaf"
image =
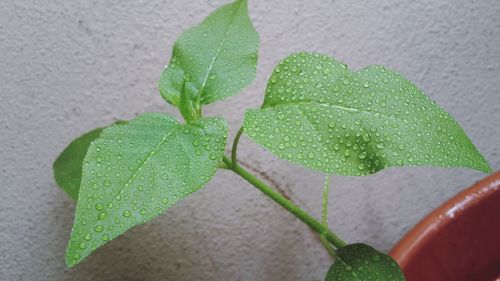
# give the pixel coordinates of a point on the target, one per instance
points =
(68, 165)
(319, 114)
(216, 59)
(360, 262)
(134, 172)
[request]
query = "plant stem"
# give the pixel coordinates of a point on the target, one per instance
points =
(328, 246)
(291, 207)
(324, 205)
(324, 215)
(235, 147)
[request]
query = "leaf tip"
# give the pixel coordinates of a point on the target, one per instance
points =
(244, 2)
(70, 261)
(487, 168)
(74, 255)
(482, 164)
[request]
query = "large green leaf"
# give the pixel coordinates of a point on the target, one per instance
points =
(133, 172)
(215, 59)
(68, 165)
(360, 262)
(318, 114)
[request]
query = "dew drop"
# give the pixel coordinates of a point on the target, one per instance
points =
(87, 237)
(99, 228)
(101, 216)
(164, 200)
(366, 138)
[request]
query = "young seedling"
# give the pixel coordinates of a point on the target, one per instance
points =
(316, 113)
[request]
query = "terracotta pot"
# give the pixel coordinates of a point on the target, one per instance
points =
(458, 241)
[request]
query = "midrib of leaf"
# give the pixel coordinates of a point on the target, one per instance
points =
(347, 109)
(344, 108)
(188, 156)
(143, 164)
(217, 52)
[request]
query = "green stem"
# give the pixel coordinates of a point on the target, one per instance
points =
(324, 215)
(291, 207)
(324, 209)
(328, 246)
(235, 147)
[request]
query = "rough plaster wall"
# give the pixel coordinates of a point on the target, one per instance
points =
(70, 66)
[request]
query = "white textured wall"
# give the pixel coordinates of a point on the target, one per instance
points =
(69, 66)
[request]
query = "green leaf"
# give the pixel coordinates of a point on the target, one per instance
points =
(360, 262)
(216, 59)
(320, 115)
(68, 165)
(134, 172)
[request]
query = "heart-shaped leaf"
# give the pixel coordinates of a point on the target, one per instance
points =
(320, 115)
(134, 172)
(215, 59)
(360, 262)
(68, 165)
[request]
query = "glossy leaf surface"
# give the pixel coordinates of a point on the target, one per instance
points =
(360, 262)
(319, 114)
(134, 172)
(215, 59)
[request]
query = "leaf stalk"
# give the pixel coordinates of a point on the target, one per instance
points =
(288, 205)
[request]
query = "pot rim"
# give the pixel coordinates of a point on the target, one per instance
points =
(429, 226)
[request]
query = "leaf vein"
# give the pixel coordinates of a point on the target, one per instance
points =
(216, 56)
(145, 161)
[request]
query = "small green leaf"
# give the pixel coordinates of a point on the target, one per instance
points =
(216, 59)
(134, 172)
(320, 115)
(188, 107)
(68, 165)
(360, 262)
